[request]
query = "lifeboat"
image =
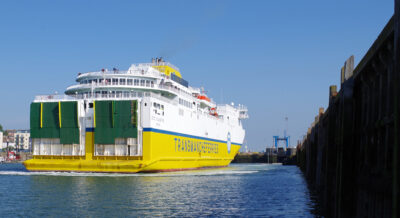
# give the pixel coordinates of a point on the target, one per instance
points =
(203, 97)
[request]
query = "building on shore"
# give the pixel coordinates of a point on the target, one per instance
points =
(1, 139)
(22, 139)
(10, 138)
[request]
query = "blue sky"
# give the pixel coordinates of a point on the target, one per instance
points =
(276, 57)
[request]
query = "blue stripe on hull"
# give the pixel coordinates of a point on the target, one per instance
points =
(184, 135)
(89, 129)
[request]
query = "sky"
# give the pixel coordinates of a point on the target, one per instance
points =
(277, 57)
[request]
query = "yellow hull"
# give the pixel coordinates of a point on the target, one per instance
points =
(162, 151)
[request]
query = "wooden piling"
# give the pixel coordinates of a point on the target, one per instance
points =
(396, 152)
(350, 153)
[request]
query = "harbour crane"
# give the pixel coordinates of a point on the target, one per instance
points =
(285, 137)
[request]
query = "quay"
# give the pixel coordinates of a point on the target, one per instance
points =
(350, 154)
(272, 155)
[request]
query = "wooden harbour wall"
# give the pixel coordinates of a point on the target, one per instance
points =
(350, 155)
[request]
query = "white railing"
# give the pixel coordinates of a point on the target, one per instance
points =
(140, 71)
(145, 85)
(237, 107)
(54, 97)
(100, 96)
(113, 74)
(241, 108)
(103, 84)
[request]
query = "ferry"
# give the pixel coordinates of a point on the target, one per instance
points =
(145, 119)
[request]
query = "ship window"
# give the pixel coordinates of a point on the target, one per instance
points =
(122, 81)
(115, 81)
(90, 105)
(141, 82)
(100, 80)
(147, 83)
(129, 81)
(136, 82)
(152, 83)
(89, 81)
(108, 81)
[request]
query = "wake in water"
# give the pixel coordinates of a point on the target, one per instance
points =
(233, 169)
(170, 174)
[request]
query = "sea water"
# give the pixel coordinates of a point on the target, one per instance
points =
(240, 190)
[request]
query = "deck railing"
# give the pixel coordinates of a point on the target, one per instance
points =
(104, 96)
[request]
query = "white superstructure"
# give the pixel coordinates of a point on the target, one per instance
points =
(166, 102)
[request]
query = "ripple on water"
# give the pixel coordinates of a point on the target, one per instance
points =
(238, 190)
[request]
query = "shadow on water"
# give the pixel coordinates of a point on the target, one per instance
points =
(238, 190)
(315, 207)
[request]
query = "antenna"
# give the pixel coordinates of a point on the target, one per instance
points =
(286, 126)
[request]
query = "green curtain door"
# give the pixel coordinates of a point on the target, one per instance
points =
(115, 119)
(45, 121)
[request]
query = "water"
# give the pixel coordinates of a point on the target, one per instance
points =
(248, 190)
